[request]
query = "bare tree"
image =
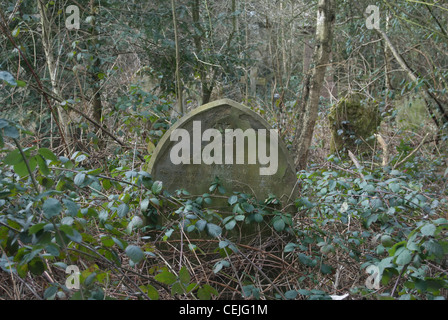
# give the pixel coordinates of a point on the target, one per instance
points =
(308, 108)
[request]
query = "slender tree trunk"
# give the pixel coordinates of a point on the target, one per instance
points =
(52, 69)
(308, 108)
(179, 90)
(197, 39)
(96, 103)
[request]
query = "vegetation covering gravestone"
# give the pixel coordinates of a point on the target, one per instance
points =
(352, 123)
(227, 141)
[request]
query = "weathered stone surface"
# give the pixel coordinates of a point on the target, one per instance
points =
(352, 123)
(196, 178)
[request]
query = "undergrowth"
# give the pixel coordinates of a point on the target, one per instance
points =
(356, 232)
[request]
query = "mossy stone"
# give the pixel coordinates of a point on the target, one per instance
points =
(353, 122)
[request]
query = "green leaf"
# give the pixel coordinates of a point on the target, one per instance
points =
(120, 243)
(214, 230)
(51, 208)
(144, 205)
(403, 256)
(15, 33)
(79, 179)
(12, 158)
(220, 264)
(232, 200)
(11, 131)
(326, 269)
(36, 228)
(290, 247)
(21, 83)
(303, 258)
(107, 241)
(72, 207)
(394, 187)
(89, 280)
(152, 292)
(230, 225)
(184, 276)
(43, 168)
(135, 253)
(201, 224)
(21, 169)
(50, 292)
(248, 207)
(434, 248)
(122, 210)
(428, 229)
(157, 187)
(47, 154)
(166, 277)
(279, 224)
(291, 294)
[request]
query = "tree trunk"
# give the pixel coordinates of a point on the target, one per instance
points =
(96, 105)
(179, 90)
(52, 70)
(308, 108)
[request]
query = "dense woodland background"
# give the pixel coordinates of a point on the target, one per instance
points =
(364, 112)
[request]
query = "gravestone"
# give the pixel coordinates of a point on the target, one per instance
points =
(225, 140)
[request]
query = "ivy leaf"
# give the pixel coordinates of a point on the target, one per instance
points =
(135, 253)
(51, 208)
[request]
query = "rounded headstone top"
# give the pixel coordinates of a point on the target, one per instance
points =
(228, 141)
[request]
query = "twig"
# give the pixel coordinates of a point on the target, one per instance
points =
(412, 153)
(384, 147)
(27, 165)
(356, 162)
